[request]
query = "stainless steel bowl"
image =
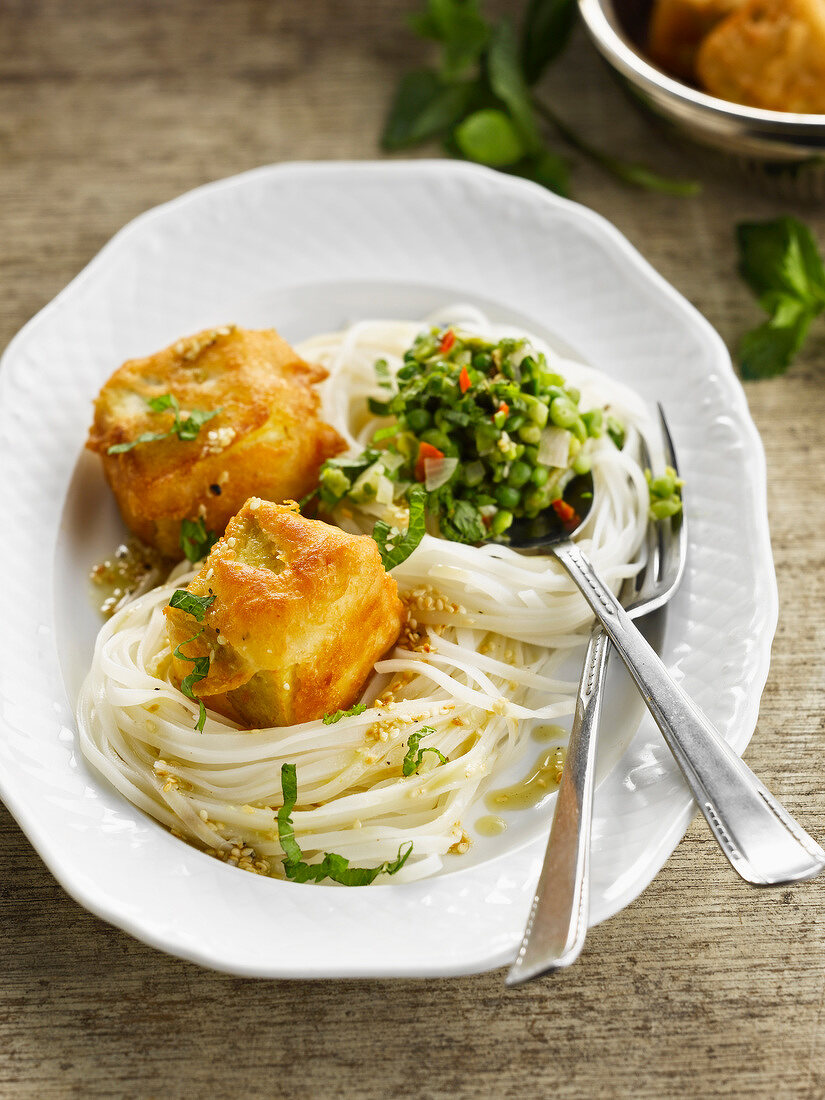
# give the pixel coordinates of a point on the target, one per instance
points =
(782, 152)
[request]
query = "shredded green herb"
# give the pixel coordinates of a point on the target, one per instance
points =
(392, 545)
(193, 605)
(195, 540)
(336, 716)
(185, 430)
(332, 866)
(198, 673)
(412, 761)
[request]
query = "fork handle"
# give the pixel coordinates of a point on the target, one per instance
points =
(759, 837)
(557, 925)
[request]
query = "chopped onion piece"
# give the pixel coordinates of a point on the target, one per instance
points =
(391, 461)
(554, 447)
(385, 490)
(438, 471)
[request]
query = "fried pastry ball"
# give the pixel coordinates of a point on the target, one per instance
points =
(677, 28)
(266, 438)
(302, 612)
(770, 54)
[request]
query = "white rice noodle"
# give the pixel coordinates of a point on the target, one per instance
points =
(499, 624)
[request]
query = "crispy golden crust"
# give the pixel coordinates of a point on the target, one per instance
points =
(677, 28)
(302, 613)
(266, 440)
(769, 54)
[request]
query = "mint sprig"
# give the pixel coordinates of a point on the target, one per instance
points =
(332, 866)
(195, 540)
(336, 716)
(781, 263)
(478, 98)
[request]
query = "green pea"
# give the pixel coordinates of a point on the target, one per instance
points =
(582, 464)
(519, 474)
(664, 486)
(482, 361)
(563, 413)
(538, 412)
(574, 394)
(508, 497)
(578, 429)
(418, 420)
(662, 509)
(537, 500)
(539, 475)
(530, 433)
(501, 521)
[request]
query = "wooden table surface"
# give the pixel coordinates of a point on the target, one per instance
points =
(703, 987)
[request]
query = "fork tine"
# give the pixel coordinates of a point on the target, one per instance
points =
(650, 576)
(674, 551)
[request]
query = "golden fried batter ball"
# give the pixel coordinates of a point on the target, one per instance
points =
(266, 439)
(677, 28)
(769, 54)
(302, 612)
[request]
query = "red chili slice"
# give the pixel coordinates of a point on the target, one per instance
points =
(447, 341)
(464, 382)
(565, 513)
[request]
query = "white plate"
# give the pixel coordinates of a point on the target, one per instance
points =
(307, 247)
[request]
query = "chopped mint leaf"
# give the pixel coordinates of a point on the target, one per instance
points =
(392, 545)
(332, 866)
(336, 716)
(195, 540)
(184, 429)
(198, 673)
(193, 605)
(412, 761)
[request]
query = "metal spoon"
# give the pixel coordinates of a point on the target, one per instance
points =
(557, 926)
(760, 839)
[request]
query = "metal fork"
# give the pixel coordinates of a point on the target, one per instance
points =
(758, 836)
(557, 926)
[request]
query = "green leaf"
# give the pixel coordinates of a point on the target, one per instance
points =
(546, 168)
(414, 756)
(489, 137)
(424, 107)
(781, 255)
(392, 545)
(193, 605)
(769, 349)
(461, 29)
(544, 34)
(508, 83)
(780, 262)
(185, 430)
(332, 866)
(330, 719)
(195, 540)
(461, 522)
(146, 437)
(165, 401)
(189, 428)
(382, 374)
(198, 673)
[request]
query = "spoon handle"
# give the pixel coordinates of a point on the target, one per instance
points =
(557, 925)
(759, 837)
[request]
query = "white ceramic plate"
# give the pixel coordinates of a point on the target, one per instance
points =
(307, 248)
